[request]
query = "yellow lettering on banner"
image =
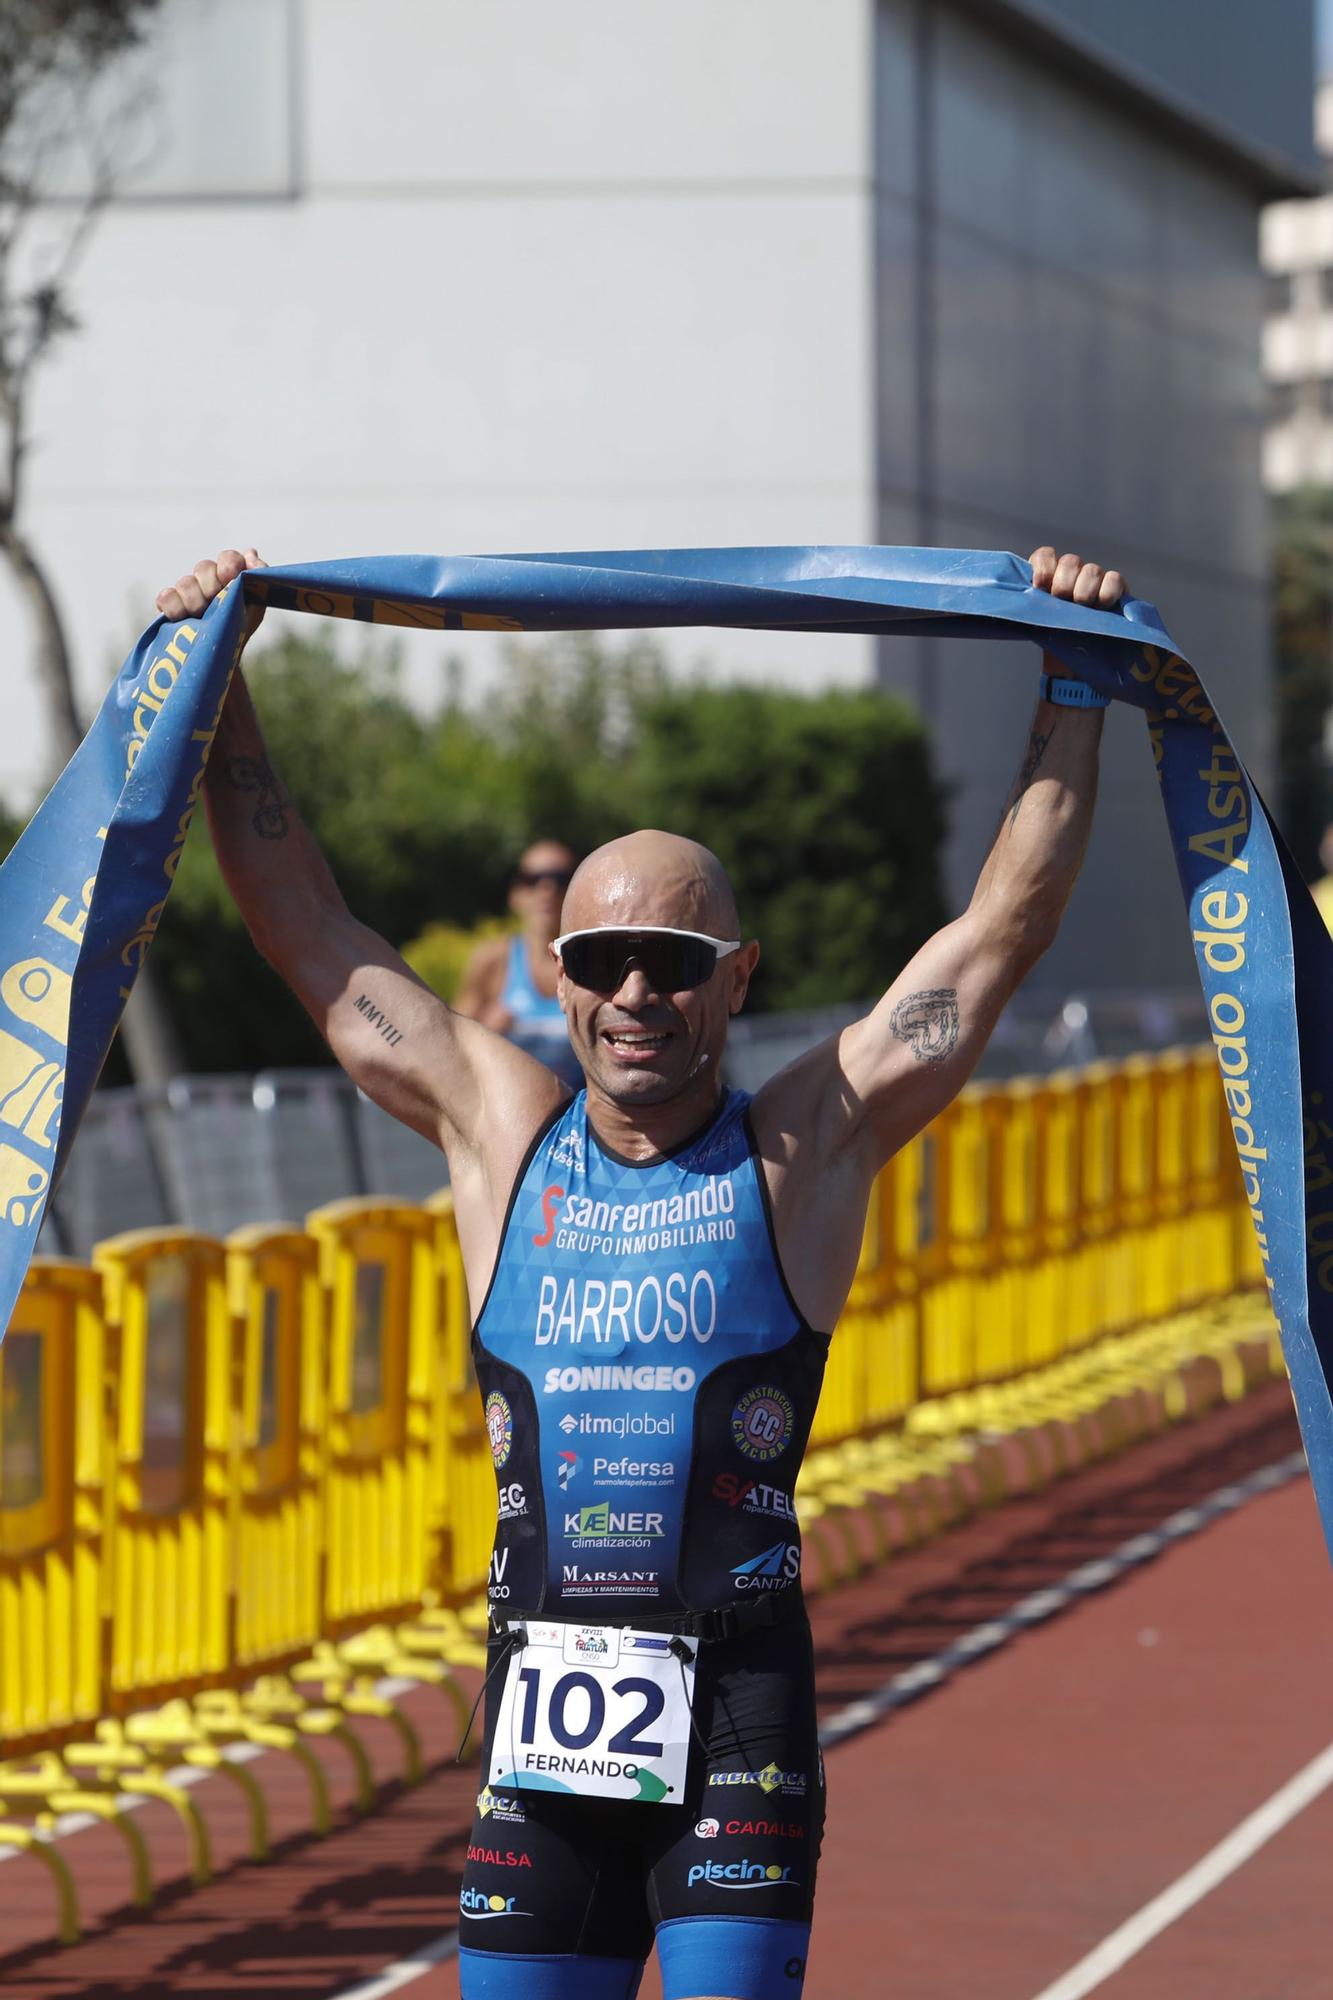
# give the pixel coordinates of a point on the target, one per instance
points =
(71, 927)
(160, 679)
(1227, 1016)
(36, 991)
(22, 1184)
(1220, 844)
(1174, 682)
(30, 1089)
(1213, 909)
(1237, 1095)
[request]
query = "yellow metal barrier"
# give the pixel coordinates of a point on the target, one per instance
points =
(217, 1460)
(169, 1354)
(52, 1473)
(462, 1473)
(279, 1338)
(377, 1266)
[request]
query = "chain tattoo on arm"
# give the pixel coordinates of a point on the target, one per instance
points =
(1038, 744)
(928, 1022)
(256, 774)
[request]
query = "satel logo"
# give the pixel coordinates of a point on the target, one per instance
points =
(551, 1200)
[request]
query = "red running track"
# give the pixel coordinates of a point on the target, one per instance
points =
(980, 1842)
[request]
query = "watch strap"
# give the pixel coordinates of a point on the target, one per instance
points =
(1069, 693)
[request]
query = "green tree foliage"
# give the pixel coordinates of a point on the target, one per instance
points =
(823, 807)
(1303, 595)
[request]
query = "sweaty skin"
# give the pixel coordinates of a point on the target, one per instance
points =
(825, 1126)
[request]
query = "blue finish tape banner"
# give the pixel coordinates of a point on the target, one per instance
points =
(83, 891)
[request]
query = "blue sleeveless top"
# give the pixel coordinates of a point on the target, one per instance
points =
(538, 1020)
(648, 1380)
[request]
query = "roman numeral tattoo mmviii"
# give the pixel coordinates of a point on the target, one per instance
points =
(378, 1021)
(928, 1023)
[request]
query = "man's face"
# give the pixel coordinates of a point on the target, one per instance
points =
(641, 1046)
(539, 885)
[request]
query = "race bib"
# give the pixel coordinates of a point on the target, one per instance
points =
(597, 1710)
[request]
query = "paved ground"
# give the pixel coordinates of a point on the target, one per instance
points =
(981, 1841)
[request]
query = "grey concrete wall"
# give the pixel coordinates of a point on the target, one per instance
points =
(1068, 342)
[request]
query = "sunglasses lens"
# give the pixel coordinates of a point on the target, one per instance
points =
(671, 964)
(559, 878)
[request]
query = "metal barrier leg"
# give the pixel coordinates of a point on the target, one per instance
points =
(67, 1904)
(106, 1809)
(205, 1758)
(201, 1851)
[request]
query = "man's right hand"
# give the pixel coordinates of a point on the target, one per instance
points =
(192, 594)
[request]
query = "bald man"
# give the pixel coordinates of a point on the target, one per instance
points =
(655, 1265)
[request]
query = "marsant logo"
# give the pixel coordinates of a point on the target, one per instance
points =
(499, 1427)
(551, 1200)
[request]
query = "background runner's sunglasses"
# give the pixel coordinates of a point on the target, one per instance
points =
(532, 878)
(671, 960)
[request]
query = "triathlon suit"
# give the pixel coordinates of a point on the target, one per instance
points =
(538, 1023)
(649, 1386)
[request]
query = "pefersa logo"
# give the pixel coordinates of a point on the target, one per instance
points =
(773, 1570)
(594, 1376)
(740, 1875)
(567, 1464)
(551, 1200)
(499, 1427)
(476, 1903)
(762, 1422)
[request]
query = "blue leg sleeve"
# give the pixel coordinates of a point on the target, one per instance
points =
(740, 1958)
(512, 1975)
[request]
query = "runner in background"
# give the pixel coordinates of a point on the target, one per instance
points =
(510, 982)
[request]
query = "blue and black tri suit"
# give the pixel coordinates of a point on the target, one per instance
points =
(649, 1385)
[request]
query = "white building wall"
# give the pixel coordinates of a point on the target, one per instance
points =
(452, 278)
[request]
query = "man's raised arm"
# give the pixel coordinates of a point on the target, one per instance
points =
(449, 1078)
(887, 1076)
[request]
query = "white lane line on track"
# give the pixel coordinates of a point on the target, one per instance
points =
(404, 1970)
(988, 1637)
(923, 1675)
(1196, 1883)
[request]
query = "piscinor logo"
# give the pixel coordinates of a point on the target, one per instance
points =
(740, 1875)
(476, 1903)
